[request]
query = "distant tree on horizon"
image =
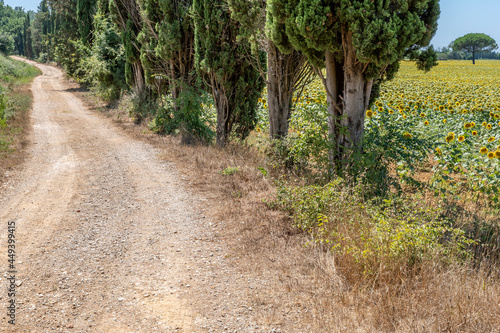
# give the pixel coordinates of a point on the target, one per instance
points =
(474, 43)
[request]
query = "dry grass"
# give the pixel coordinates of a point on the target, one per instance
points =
(17, 132)
(306, 291)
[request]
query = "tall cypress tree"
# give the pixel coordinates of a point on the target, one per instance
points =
(234, 83)
(28, 42)
(286, 72)
(168, 37)
(126, 15)
(85, 11)
(359, 43)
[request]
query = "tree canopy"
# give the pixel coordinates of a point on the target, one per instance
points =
(474, 43)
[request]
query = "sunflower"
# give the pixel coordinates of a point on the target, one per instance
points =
(444, 121)
(438, 151)
(380, 109)
(407, 135)
(369, 113)
(461, 138)
(472, 124)
(474, 133)
(491, 139)
(497, 153)
(484, 123)
(491, 155)
(441, 108)
(468, 125)
(426, 123)
(422, 115)
(483, 150)
(450, 138)
(497, 116)
(488, 126)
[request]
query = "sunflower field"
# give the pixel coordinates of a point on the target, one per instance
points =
(439, 129)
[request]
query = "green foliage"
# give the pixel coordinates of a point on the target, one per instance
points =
(11, 29)
(103, 66)
(362, 41)
(234, 83)
(230, 171)
(6, 43)
(393, 235)
(85, 11)
(186, 116)
(427, 59)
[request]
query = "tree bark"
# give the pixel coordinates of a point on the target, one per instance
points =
(280, 87)
(334, 86)
(357, 91)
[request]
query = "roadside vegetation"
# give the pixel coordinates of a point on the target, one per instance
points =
(385, 162)
(15, 101)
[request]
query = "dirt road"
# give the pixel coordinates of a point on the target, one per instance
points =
(108, 238)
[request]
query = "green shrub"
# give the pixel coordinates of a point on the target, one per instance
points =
(378, 237)
(187, 116)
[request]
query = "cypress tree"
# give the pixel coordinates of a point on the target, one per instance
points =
(234, 83)
(28, 42)
(126, 15)
(360, 43)
(286, 72)
(168, 38)
(85, 11)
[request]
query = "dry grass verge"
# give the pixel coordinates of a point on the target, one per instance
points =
(305, 289)
(16, 134)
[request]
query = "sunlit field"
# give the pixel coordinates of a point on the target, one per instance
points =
(444, 123)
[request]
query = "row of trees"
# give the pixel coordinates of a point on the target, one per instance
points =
(232, 48)
(11, 29)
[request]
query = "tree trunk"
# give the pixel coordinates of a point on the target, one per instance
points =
(473, 56)
(334, 86)
(357, 91)
(138, 75)
(223, 108)
(280, 87)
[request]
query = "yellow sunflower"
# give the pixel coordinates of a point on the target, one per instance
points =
(474, 133)
(491, 139)
(483, 150)
(426, 123)
(369, 113)
(497, 153)
(491, 155)
(488, 126)
(461, 138)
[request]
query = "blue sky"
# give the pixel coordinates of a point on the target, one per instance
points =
(458, 17)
